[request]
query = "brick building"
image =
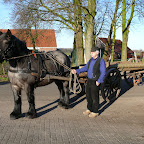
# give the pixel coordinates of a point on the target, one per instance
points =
(46, 40)
(101, 43)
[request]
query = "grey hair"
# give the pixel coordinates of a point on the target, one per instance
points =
(97, 51)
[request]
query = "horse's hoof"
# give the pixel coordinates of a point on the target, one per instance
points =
(14, 116)
(60, 104)
(65, 106)
(31, 115)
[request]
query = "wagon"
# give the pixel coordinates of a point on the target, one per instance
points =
(132, 71)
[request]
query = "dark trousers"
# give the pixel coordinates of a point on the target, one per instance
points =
(92, 95)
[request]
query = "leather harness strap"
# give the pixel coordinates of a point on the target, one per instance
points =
(22, 71)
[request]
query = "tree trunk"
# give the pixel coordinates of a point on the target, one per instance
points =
(124, 33)
(105, 55)
(113, 44)
(78, 53)
(143, 57)
(89, 27)
(125, 29)
(88, 42)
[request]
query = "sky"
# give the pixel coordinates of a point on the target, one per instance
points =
(65, 37)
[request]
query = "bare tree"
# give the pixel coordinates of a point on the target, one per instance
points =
(111, 31)
(82, 17)
(25, 20)
(125, 27)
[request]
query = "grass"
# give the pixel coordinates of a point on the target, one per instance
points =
(3, 78)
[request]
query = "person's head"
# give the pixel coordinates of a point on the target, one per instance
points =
(94, 52)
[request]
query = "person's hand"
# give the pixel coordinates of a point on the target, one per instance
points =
(73, 71)
(97, 83)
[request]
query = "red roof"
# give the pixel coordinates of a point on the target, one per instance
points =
(118, 46)
(46, 37)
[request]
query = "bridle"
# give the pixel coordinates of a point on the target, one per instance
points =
(11, 46)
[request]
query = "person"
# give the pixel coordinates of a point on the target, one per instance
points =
(96, 71)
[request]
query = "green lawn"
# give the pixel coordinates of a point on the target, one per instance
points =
(3, 79)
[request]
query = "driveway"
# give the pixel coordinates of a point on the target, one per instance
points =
(120, 122)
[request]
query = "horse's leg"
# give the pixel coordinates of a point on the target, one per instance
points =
(17, 103)
(64, 94)
(30, 96)
(60, 87)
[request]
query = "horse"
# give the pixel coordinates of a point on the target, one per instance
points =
(27, 71)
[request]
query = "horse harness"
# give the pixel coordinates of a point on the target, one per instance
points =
(42, 68)
(42, 71)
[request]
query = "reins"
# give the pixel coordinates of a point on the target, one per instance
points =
(76, 88)
(21, 56)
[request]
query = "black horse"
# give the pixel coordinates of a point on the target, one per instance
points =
(27, 71)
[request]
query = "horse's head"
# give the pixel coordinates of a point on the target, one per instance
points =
(10, 46)
(5, 45)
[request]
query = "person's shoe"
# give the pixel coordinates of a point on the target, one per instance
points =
(92, 115)
(87, 112)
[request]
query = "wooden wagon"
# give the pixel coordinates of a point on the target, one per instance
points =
(131, 71)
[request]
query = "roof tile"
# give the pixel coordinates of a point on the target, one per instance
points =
(46, 37)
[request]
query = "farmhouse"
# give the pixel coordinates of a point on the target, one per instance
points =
(101, 43)
(45, 41)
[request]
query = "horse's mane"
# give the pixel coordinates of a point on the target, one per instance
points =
(20, 44)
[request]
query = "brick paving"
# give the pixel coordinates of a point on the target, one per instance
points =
(120, 122)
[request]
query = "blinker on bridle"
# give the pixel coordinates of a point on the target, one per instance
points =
(11, 45)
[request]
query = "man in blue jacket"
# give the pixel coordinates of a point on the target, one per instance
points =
(96, 71)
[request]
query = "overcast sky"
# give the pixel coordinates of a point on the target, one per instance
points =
(65, 38)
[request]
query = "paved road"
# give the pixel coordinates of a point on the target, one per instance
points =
(120, 122)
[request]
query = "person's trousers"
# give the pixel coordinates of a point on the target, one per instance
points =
(92, 96)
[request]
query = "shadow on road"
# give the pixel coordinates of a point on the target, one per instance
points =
(104, 105)
(3, 83)
(75, 100)
(39, 114)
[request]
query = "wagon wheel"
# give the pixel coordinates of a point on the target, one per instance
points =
(111, 86)
(128, 77)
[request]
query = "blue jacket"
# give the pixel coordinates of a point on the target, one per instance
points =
(90, 70)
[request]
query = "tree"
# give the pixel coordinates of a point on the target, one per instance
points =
(25, 20)
(125, 27)
(89, 27)
(71, 17)
(113, 43)
(78, 52)
(114, 33)
(143, 57)
(110, 33)
(65, 12)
